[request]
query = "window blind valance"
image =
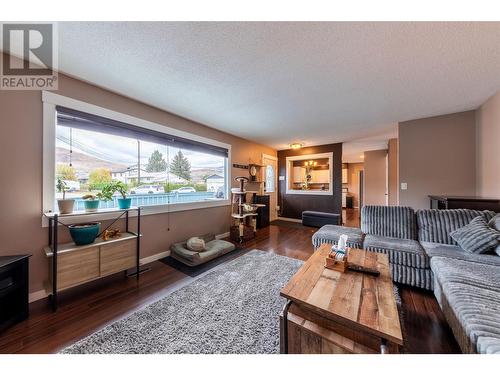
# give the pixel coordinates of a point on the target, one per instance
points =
(80, 120)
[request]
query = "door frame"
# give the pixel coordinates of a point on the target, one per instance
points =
(273, 212)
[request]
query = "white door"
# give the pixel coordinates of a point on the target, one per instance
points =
(270, 178)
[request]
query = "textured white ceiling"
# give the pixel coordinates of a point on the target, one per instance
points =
(277, 83)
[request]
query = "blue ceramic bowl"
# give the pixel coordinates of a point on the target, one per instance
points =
(84, 234)
(124, 203)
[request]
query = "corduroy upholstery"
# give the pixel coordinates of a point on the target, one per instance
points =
(477, 237)
(469, 295)
(389, 221)
(330, 234)
(436, 225)
(400, 251)
(433, 249)
(418, 277)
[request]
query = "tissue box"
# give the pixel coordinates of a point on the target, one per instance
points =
(335, 264)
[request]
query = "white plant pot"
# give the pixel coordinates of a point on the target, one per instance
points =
(65, 205)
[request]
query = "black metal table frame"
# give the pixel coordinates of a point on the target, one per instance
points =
(55, 219)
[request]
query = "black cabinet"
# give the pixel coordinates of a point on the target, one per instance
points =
(13, 290)
(349, 201)
(262, 212)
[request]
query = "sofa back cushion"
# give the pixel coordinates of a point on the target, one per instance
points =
(436, 225)
(389, 221)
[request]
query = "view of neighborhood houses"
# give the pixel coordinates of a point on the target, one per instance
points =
(153, 173)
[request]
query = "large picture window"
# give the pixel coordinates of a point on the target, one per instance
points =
(157, 168)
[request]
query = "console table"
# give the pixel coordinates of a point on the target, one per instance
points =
(347, 312)
(445, 202)
(71, 265)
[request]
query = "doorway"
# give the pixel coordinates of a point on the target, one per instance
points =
(270, 178)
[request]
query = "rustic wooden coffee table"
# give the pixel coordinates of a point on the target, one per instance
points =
(340, 312)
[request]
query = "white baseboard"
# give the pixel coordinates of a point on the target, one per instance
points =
(222, 235)
(154, 257)
(39, 294)
(289, 219)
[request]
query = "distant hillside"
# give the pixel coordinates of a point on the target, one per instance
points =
(84, 163)
(197, 174)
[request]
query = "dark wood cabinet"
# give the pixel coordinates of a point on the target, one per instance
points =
(14, 271)
(446, 202)
(262, 212)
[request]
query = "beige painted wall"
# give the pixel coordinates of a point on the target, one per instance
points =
(488, 148)
(21, 171)
(353, 181)
(375, 177)
(437, 156)
(393, 172)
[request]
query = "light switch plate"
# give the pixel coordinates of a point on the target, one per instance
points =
(404, 186)
(282, 178)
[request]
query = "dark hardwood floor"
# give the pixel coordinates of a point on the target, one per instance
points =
(85, 309)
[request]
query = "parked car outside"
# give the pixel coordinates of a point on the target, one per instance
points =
(148, 189)
(185, 189)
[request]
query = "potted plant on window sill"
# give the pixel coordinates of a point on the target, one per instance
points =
(91, 201)
(65, 205)
(118, 186)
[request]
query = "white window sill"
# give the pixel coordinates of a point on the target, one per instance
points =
(145, 210)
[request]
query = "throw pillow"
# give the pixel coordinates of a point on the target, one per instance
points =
(476, 237)
(495, 222)
(196, 244)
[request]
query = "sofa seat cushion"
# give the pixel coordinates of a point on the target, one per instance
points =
(433, 249)
(330, 234)
(470, 298)
(214, 249)
(400, 251)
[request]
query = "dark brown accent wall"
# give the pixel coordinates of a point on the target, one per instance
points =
(292, 205)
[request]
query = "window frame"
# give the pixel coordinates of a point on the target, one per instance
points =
(51, 100)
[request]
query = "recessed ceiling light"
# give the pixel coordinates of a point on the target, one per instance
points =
(296, 145)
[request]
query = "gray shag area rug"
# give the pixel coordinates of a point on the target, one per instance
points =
(234, 308)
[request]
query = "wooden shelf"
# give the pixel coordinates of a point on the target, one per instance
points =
(70, 246)
(85, 213)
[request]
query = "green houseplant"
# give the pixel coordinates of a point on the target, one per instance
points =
(118, 186)
(65, 205)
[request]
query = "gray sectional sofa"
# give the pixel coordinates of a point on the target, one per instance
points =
(423, 254)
